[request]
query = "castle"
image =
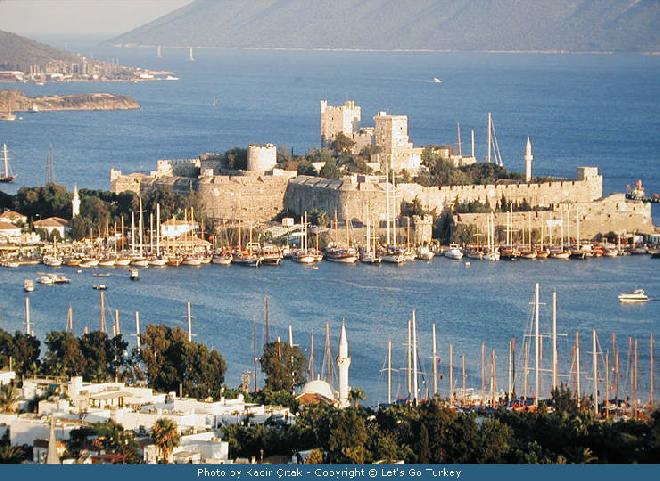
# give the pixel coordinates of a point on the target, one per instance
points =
(262, 191)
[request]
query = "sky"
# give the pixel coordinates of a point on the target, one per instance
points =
(81, 16)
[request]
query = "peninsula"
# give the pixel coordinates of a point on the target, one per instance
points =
(16, 101)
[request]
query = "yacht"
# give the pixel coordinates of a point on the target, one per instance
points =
(454, 252)
(638, 295)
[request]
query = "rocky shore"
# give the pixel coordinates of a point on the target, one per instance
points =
(16, 101)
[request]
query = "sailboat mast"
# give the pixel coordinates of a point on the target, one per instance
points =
(328, 352)
(310, 368)
(483, 372)
(594, 362)
(458, 133)
(387, 203)
(102, 311)
(493, 380)
(651, 381)
(141, 226)
(189, 319)
(463, 377)
(409, 359)
(138, 339)
(389, 371)
(615, 356)
(435, 362)
(489, 137)
(577, 366)
(28, 323)
(472, 142)
(158, 229)
(536, 344)
(510, 391)
(69, 320)
(451, 373)
(607, 384)
(555, 373)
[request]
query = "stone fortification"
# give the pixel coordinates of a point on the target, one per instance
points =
(255, 198)
(350, 197)
(613, 213)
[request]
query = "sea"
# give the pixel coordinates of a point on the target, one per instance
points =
(593, 110)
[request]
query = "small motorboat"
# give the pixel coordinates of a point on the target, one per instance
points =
(28, 285)
(454, 253)
(638, 295)
(100, 287)
(60, 279)
(135, 275)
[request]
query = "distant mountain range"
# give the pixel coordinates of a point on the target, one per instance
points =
(18, 53)
(463, 25)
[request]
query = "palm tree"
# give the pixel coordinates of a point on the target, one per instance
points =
(11, 455)
(166, 436)
(8, 398)
(356, 395)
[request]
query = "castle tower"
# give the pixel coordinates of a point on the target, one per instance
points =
(339, 118)
(528, 157)
(343, 363)
(76, 201)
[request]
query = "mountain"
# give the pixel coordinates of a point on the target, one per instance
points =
(467, 25)
(18, 53)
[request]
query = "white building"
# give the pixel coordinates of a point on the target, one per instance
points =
(9, 233)
(53, 224)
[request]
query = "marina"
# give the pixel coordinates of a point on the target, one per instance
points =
(368, 297)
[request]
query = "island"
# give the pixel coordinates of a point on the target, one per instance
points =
(17, 101)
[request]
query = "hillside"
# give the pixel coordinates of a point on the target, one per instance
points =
(528, 25)
(18, 53)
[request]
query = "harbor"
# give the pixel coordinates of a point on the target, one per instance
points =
(368, 297)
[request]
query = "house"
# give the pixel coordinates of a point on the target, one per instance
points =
(13, 217)
(9, 233)
(53, 224)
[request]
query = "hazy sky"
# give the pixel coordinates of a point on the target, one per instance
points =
(81, 16)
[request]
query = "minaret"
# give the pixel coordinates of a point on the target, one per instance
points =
(76, 201)
(343, 363)
(52, 457)
(528, 157)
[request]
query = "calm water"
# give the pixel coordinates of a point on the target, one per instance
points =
(580, 110)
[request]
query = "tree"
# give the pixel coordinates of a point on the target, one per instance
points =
(8, 398)
(342, 144)
(165, 435)
(284, 366)
(171, 203)
(26, 352)
(236, 158)
(348, 438)
(355, 395)
(95, 354)
(12, 454)
(63, 357)
(330, 170)
(424, 456)
(172, 362)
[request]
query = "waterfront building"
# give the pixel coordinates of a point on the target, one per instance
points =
(53, 224)
(13, 217)
(9, 233)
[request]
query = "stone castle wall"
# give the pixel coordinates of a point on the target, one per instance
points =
(613, 213)
(352, 199)
(249, 198)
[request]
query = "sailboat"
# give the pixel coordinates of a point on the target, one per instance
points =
(393, 254)
(304, 255)
(6, 176)
(369, 255)
(340, 253)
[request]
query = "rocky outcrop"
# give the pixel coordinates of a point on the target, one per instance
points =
(15, 101)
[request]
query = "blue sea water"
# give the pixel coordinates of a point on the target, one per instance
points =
(579, 110)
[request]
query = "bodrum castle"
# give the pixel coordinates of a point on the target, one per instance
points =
(370, 174)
